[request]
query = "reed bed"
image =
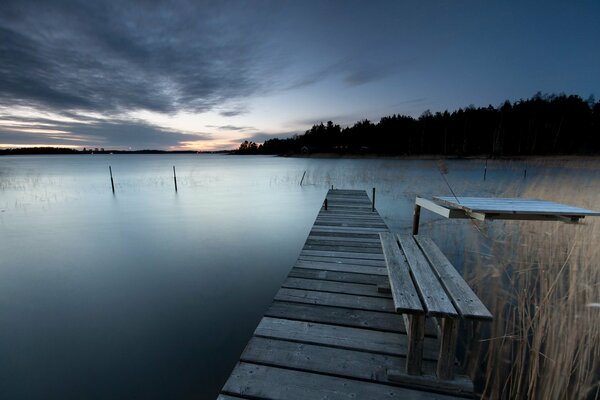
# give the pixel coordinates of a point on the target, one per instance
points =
(541, 280)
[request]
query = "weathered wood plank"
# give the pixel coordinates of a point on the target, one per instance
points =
(342, 267)
(406, 298)
(346, 249)
(467, 303)
(342, 337)
(344, 239)
(333, 361)
(342, 254)
(432, 294)
(381, 321)
(334, 287)
(335, 299)
(372, 263)
(257, 381)
(364, 278)
(321, 231)
(350, 224)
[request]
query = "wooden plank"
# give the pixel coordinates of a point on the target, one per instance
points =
(333, 361)
(343, 239)
(466, 302)
(381, 227)
(342, 267)
(372, 263)
(360, 289)
(335, 299)
(516, 206)
(341, 337)
(406, 298)
(381, 321)
(341, 234)
(363, 278)
(368, 212)
(440, 209)
(345, 229)
(342, 254)
(345, 249)
(265, 382)
(432, 294)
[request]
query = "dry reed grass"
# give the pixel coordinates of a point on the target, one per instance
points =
(541, 280)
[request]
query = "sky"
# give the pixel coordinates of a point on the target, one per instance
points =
(207, 75)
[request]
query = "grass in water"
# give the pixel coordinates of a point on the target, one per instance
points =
(541, 281)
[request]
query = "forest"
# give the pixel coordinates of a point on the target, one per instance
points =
(541, 125)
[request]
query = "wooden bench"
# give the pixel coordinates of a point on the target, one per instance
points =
(425, 284)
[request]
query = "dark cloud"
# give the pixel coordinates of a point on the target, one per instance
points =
(232, 127)
(115, 56)
(109, 134)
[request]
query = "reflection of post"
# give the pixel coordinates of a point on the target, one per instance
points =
(112, 183)
(416, 216)
(373, 206)
(175, 178)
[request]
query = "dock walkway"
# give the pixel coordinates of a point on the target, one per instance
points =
(330, 333)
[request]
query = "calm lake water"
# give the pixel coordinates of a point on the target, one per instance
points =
(152, 294)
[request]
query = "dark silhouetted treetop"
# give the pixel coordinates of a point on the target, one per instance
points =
(541, 125)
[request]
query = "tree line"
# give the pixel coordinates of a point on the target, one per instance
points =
(541, 125)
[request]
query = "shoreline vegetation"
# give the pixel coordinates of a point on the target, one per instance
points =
(542, 284)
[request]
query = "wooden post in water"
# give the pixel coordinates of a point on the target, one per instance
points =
(525, 172)
(325, 204)
(373, 206)
(485, 170)
(416, 217)
(301, 180)
(112, 182)
(175, 178)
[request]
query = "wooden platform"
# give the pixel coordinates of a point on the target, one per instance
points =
(330, 333)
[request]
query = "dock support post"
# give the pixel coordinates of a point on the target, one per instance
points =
(416, 217)
(175, 178)
(485, 170)
(112, 182)
(373, 206)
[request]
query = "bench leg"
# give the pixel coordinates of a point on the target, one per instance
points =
(445, 366)
(416, 337)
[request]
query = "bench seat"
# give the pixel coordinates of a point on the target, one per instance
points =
(424, 284)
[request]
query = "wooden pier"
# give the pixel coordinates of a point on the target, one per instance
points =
(332, 331)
